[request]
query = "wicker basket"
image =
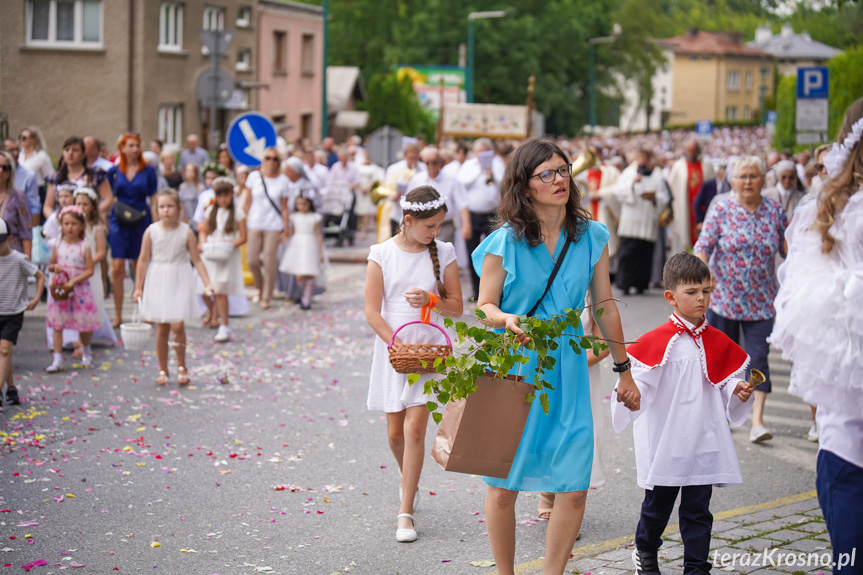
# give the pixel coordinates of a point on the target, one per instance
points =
(407, 357)
(58, 292)
(135, 335)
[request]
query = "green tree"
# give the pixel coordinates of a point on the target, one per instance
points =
(392, 101)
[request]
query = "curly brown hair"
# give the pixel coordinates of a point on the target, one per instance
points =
(421, 195)
(837, 191)
(516, 209)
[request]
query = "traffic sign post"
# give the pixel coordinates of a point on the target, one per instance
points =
(704, 129)
(248, 137)
(217, 43)
(813, 92)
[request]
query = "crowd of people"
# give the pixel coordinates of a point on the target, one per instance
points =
(709, 222)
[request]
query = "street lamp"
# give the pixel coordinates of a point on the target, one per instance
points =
(591, 59)
(470, 18)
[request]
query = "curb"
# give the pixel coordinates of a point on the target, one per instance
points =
(612, 544)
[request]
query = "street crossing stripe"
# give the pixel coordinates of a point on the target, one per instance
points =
(612, 544)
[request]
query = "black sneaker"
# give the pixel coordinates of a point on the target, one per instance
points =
(646, 562)
(12, 396)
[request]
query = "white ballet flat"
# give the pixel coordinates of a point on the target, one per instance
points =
(406, 535)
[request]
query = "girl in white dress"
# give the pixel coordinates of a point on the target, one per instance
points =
(94, 237)
(221, 234)
(403, 273)
(165, 286)
(304, 257)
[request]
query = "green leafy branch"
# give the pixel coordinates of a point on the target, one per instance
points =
(481, 349)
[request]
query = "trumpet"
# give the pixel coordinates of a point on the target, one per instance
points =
(584, 161)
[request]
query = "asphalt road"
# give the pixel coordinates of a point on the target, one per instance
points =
(269, 461)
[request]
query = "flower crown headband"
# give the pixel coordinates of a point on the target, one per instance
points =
(74, 210)
(89, 192)
(422, 207)
(838, 155)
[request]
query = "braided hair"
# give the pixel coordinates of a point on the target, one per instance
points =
(421, 195)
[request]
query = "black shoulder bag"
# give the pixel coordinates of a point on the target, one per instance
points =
(551, 277)
(125, 214)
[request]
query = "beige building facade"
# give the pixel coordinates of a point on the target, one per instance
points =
(716, 77)
(104, 67)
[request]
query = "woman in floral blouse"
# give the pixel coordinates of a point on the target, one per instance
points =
(15, 208)
(741, 236)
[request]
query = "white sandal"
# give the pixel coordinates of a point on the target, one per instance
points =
(54, 368)
(406, 535)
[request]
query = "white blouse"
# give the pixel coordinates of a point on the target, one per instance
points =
(263, 215)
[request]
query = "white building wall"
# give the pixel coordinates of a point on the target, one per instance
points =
(635, 120)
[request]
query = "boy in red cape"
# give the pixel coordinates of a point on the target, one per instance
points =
(691, 380)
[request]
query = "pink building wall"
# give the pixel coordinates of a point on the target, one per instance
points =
(290, 96)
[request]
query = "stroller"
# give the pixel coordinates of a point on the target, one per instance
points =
(338, 210)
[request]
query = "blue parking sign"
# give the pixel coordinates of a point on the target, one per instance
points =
(248, 137)
(813, 83)
(704, 127)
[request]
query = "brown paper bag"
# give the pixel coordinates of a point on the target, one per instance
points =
(480, 435)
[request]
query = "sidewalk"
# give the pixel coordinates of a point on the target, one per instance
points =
(755, 540)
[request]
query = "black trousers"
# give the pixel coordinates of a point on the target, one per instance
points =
(635, 263)
(696, 523)
(481, 226)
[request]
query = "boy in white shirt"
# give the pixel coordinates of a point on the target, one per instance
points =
(15, 268)
(688, 374)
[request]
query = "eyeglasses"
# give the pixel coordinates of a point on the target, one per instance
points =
(6, 168)
(271, 159)
(748, 178)
(22, 137)
(547, 176)
(819, 167)
(14, 150)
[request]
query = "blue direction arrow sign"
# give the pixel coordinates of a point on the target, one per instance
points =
(248, 137)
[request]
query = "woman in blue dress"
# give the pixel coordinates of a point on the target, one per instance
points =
(539, 212)
(135, 183)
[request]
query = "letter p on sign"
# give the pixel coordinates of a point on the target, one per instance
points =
(812, 83)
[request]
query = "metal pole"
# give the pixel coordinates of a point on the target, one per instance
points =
(591, 59)
(324, 112)
(214, 136)
(470, 39)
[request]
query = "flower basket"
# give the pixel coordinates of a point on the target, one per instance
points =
(417, 358)
(136, 335)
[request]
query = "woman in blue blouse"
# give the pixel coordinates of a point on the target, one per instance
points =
(742, 234)
(134, 182)
(539, 213)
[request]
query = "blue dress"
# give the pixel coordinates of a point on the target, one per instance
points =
(556, 450)
(125, 241)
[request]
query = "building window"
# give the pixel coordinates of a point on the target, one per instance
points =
(171, 26)
(64, 23)
(244, 60)
(746, 115)
(733, 81)
(244, 17)
(280, 52)
(749, 81)
(731, 113)
(214, 18)
(308, 54)
(171, 123)
(306, 125)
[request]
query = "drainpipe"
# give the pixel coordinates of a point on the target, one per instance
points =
(130, 87)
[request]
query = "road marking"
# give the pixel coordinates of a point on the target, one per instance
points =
(612, 544)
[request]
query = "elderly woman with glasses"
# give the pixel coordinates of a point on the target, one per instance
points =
(742, 235)
(267, 223)
(787, 191)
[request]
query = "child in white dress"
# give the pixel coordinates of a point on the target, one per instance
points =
(94, 237)
(221, 234)
(165, 284)
(410, 270)
(304, 257)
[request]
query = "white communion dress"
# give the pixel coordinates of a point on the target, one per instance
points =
(403, 271)
(302, 257)
(169, 287)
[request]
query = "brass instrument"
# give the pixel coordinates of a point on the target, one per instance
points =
(379, 192)
(756, 378)
(584, 161)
